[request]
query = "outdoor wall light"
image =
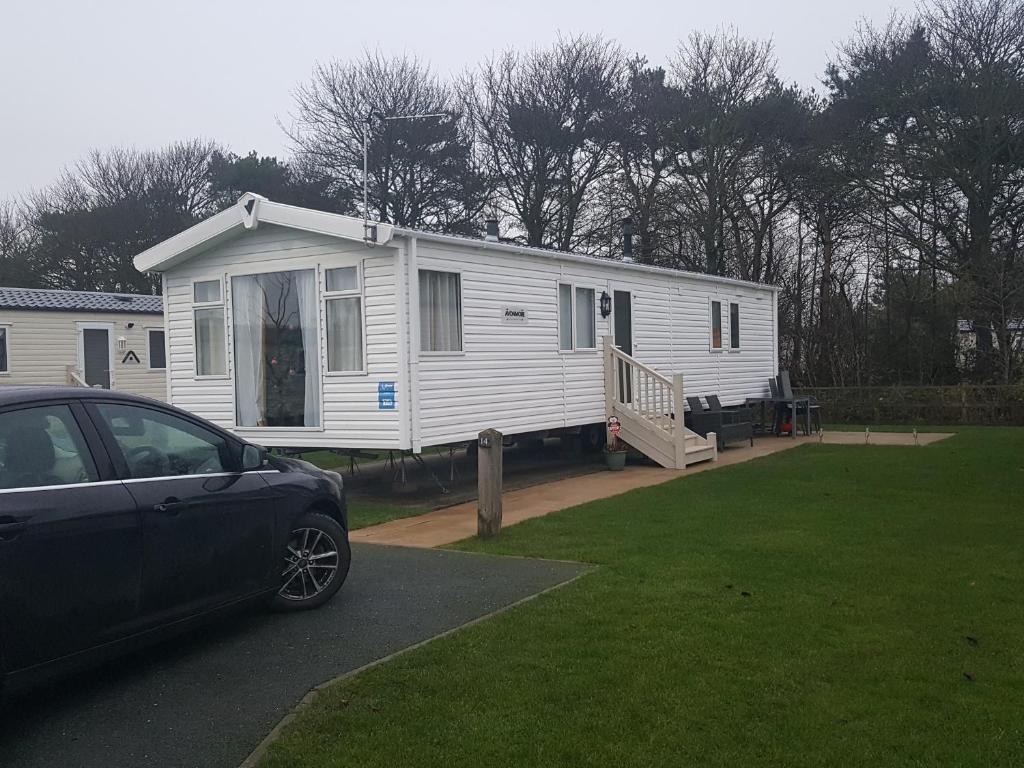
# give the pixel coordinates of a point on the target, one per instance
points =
(606, 304)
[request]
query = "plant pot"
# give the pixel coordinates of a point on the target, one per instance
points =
(615, 460)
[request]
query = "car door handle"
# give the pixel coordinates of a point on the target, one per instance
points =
(171, 506)
(11, 531)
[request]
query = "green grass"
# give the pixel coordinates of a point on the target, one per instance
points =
(362, 514)
(867, 567)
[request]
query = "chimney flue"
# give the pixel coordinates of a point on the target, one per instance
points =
(492, 231)
(627, 239)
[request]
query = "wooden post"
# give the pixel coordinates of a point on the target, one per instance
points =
(608, 344)
(488, 505)
(712, 439)
(679, 423)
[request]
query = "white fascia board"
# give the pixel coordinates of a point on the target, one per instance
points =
(331, 224)
(181, 246)
(486, 245)
(238, 218)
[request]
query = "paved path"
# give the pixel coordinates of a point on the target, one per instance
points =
(451, 524)
(208, 699)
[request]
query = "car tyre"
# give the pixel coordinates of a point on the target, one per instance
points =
(315, 563)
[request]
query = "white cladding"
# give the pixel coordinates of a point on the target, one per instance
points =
(509, 375)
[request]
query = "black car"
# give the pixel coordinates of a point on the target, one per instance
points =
(122, 518)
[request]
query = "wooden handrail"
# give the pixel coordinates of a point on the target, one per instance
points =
(74, 379)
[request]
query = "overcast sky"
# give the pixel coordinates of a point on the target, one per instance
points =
(77, 75)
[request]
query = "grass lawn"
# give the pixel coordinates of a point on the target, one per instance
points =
(830, 605)
(362, 514)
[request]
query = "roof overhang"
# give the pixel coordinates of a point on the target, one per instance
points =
(248, 213)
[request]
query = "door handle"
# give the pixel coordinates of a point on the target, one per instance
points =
(171, 506)
(11, 531)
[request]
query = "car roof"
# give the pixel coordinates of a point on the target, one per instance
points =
(13, 394)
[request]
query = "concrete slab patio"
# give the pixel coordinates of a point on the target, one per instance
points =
(451, 524)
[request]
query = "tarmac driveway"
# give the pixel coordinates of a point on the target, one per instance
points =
(209, 698)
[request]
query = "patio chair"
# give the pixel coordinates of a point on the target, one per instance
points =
(728, 426)
(796, 407)
(737, 412)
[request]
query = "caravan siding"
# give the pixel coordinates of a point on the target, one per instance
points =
(42, 344)
(351, 415)
(515, 379)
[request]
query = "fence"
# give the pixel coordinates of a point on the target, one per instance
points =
(963, 404)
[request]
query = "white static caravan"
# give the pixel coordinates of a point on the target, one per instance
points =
(297, 328)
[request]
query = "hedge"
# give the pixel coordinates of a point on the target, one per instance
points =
(963, 404)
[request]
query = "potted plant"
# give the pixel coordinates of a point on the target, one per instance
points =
(615, 454)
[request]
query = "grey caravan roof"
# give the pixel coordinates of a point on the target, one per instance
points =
(79, 301)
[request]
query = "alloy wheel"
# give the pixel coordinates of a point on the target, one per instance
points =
(310, 564)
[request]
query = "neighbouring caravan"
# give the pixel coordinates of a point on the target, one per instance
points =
(83, 338)
(297, 328)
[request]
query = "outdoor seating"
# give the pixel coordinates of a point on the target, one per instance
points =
(729, 426)
(788, 404)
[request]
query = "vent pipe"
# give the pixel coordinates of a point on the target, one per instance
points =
(492, 231)
(627, 240)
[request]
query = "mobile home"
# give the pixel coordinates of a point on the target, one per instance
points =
(299, 328)
(83, 338)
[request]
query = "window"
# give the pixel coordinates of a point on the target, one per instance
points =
(344, 320)
(277, 352)
(157, 350)
(43, 446)
(158, 444)
(586, 320)
(440, 311)
(734, 326)
(208, 316)
(716, 325)
(4, 359)
(577, 322)
(564, 317)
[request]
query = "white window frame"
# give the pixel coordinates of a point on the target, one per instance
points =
(149, 348)
(739, 313)
(327, 296)
(712, 300)
(573, 287)
(7, 344)
(462, 314)
(222, 305)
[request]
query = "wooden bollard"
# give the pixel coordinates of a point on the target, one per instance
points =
(488, 504)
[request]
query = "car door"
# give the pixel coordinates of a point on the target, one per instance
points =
(207, 527)
(70, 538)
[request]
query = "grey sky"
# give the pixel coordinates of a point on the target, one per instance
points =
(78, 75)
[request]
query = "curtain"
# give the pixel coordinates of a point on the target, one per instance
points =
(344, 335)
(586, 321)
(305, 287)
(440, 312)
(564, 316)
(247, 313)
(210, 352)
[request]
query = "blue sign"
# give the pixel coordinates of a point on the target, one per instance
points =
(385, 395)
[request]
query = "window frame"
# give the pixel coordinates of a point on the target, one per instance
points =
(739, 324)
(327, 296)
(95, 452)
(201, 305)
(712, 300)
(462, 316)
(6, 370)
(574, 316)
(149, 348)
(119, 462)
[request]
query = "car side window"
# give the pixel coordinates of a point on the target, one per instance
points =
(43, 446)
(158, 444)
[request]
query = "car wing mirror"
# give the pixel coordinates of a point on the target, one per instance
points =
(254, 457)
